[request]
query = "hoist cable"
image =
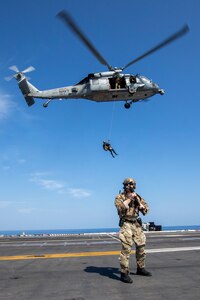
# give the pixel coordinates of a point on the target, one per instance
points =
(111, 122)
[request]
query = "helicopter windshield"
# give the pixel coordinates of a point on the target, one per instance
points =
(144, 79)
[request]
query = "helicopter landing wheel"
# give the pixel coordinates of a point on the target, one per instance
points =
(46, 103)
(127, 105)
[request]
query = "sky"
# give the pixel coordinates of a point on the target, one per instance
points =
(54, 173)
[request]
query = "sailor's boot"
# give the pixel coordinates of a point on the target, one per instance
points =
(143, 272)
(126, 278)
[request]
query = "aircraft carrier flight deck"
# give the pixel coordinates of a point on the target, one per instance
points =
(86, 266)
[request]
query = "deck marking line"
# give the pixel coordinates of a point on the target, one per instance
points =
(88, 254)
(61, 255)
(114, 237)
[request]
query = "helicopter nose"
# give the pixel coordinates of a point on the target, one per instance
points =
(155, 85)
(157, 88)
(161, 91)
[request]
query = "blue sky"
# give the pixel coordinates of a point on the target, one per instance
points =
(53, 171)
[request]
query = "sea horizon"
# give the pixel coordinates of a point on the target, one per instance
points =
(22, 232)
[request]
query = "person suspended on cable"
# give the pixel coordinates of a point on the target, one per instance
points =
(107, 147)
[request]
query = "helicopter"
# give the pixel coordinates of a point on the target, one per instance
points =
(106, 86)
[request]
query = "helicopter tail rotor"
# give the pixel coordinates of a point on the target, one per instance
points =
(18, 74)
(14, 68)
(26, 88)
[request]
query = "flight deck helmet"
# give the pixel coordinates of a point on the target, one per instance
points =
(130, 181)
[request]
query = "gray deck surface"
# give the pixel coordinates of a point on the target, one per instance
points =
(172, 257)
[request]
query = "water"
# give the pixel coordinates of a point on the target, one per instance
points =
(186, 227)
(58, 231)
(82, 231)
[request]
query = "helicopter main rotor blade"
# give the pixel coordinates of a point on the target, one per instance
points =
(71, 23)
(167, 41)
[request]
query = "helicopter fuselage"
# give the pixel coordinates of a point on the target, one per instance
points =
(103, 87)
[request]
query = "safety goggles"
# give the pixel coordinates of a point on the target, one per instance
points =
(130, 183)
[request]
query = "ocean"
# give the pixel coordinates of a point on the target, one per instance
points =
(82, 231)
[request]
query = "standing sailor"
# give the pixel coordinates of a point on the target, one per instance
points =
(129, 204)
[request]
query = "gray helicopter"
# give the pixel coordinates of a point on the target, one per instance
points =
(111, 85)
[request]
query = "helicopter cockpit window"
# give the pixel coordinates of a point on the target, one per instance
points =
(132, 79)
(144, 79)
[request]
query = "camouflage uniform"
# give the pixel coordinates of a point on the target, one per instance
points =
(131, 231)
(107, 147)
